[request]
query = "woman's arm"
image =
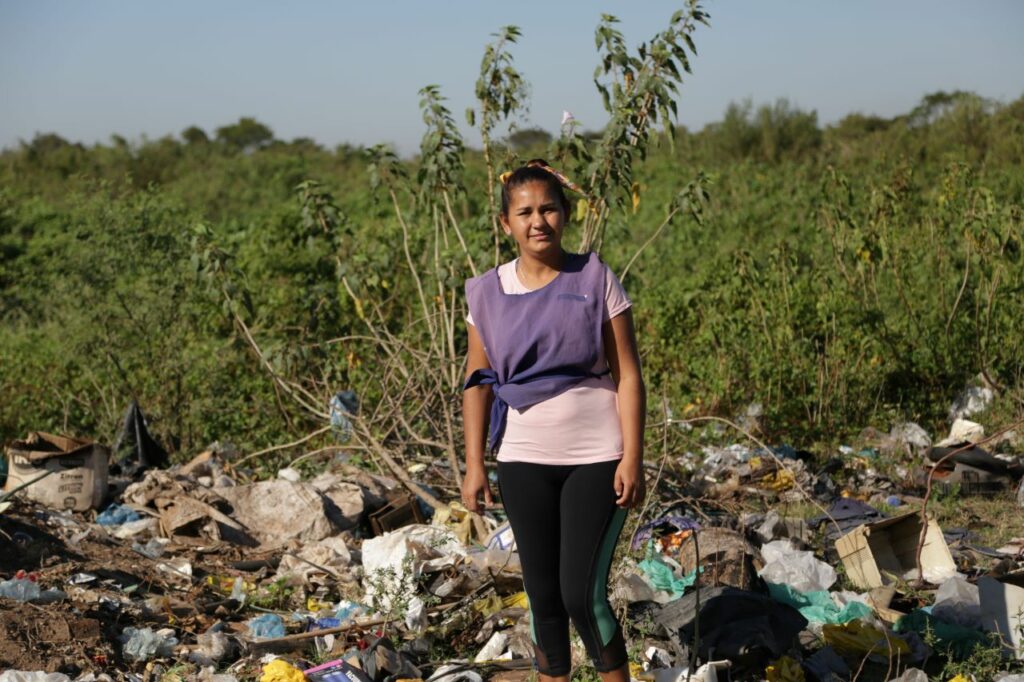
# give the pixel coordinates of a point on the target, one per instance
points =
(476, 408)
(624, 362)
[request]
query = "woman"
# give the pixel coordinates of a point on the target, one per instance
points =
(553, 368)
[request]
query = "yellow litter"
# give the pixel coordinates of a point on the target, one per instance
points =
(858, 637)
(279, 670)
(518, 599)
(784, 669)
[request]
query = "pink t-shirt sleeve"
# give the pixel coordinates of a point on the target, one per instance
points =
(615, 299)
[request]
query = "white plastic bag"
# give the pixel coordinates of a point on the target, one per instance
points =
(786, 565)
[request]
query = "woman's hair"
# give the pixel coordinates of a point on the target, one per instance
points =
(534, 170)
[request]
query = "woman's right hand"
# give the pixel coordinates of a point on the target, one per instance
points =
(474, 483)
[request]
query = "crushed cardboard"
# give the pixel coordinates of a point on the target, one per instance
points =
(79, 466)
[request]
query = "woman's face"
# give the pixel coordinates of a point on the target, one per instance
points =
(535, 219)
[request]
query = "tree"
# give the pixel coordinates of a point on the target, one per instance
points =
(194, 135)
(529, 138)
(246, 135)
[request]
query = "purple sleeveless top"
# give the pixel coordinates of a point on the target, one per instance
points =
(541, 343)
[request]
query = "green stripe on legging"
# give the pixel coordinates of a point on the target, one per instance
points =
(602, 614)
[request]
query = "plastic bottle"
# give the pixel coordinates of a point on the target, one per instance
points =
(20, 589)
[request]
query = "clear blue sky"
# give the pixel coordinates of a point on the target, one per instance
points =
(340, 71)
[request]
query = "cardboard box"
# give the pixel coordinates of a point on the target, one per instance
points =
(1002, 610)
(79, 481)
(883, 552)
(399, 512)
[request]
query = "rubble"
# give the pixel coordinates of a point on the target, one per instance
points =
(749, 564)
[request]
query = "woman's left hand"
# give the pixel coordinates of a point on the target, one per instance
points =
(629, 482)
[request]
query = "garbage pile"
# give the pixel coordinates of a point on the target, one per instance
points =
(747, 563)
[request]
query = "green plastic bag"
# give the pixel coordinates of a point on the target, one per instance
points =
(818, 607)
(661, 576)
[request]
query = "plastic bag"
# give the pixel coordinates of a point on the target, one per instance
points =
(860, 638)
(661, 576)
(786, 565)
(116, 514)
(280, 670)
(144, 644)
(958, 601)
(266, 626)
(818, 607)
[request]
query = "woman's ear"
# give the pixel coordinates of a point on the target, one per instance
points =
(504, 223)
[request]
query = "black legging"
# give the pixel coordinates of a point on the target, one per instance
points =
(566, 524)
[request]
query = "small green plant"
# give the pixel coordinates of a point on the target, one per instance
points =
(391, 592)
(275, 596)
(984, 663)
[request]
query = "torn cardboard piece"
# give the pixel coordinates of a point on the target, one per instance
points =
(726, 558)
(883, 552)
(79, 479)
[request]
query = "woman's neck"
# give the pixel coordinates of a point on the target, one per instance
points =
(534, 272)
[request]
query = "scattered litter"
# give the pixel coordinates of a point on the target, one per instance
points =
(342, 406)
(957, 601)
(949, 637)
(963, 431)
(289, 474)
(971, 401)
(78, 468)
(135, 450)
(392, 561)
(884, 552)
(863, 639)
(911, 675)
(255, 578)
(20, 589)
(211, 648)
(747, 628)
(726, 558)
(819, 606)
(662, 576)
(117, 514)
(494, 648)
(336, 671)
(278, 511)
(266, 626)
(25, 588)
(1001, 610)
(279, 670)
(32, 676)
(798, 569)
(910, 434)
(826, 664)
(454, 673)
(144, 644)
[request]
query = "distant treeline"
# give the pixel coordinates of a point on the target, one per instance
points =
(959, 123)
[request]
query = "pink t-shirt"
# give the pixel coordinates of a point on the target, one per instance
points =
(579, 426)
